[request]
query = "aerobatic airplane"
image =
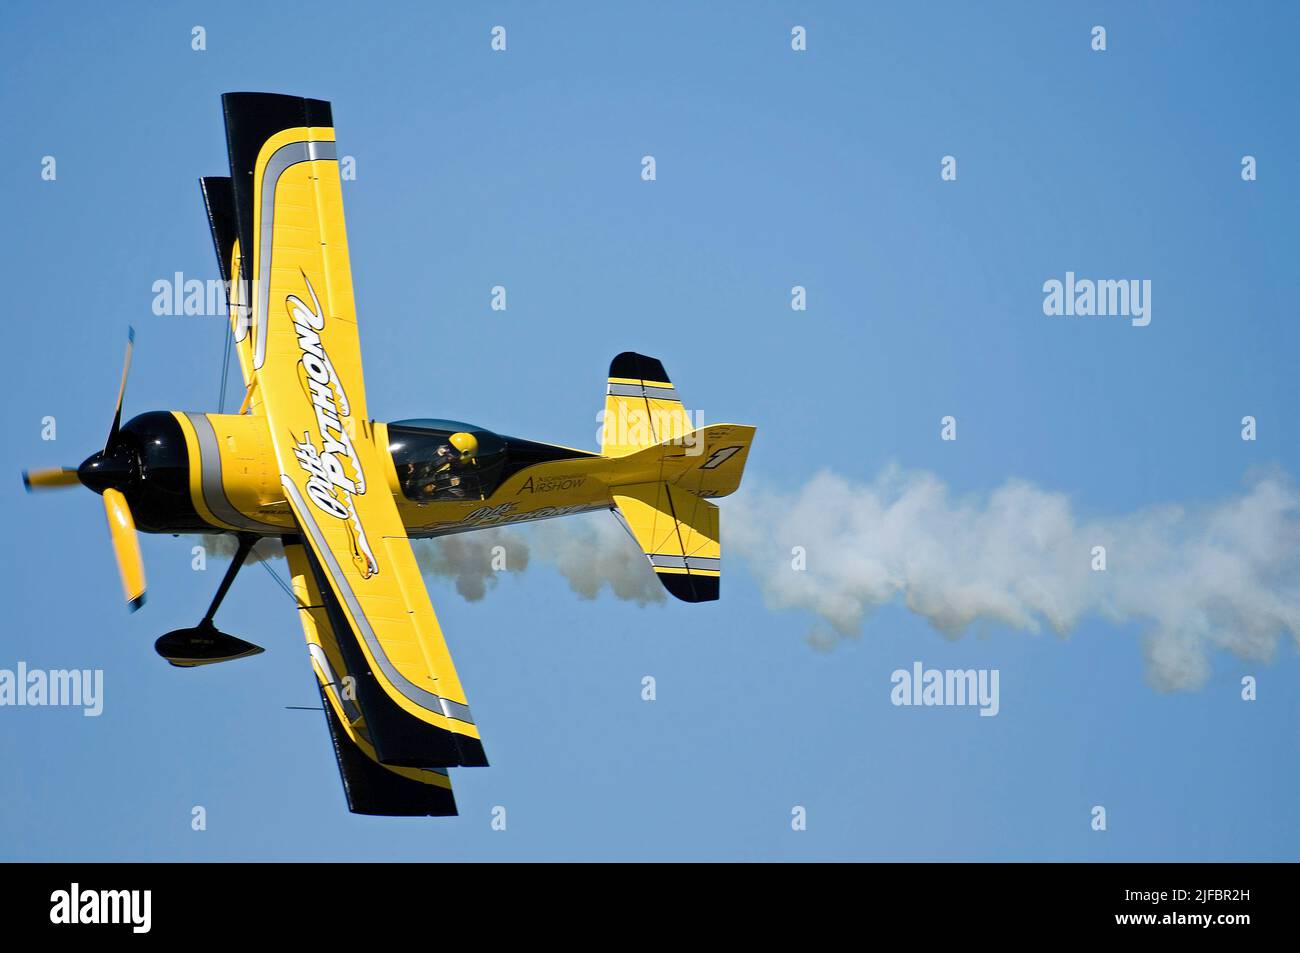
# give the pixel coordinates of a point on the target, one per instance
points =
(303, 462)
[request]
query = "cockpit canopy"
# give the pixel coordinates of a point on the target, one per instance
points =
(430, 469)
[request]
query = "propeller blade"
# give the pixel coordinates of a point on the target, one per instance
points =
(50, 478)
(126, 547)
(121, 391)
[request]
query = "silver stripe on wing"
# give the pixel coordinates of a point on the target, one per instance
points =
(289, 154)
(412, 692)
(332, 682)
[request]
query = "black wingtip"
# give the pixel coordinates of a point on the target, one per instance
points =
(135, 604)
(252, 119)
(471, 750)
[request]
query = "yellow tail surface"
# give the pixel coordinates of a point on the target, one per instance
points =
(670, 515)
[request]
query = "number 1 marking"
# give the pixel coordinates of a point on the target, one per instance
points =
(719, 457)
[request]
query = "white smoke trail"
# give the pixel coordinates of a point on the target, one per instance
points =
(1194, 579)
(474, 561)
(1225, 576)
(595, 551)
(225, 544)
(592, 551)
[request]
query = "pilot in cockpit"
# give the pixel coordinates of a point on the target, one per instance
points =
(449, 476)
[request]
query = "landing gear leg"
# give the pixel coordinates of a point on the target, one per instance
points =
(246, 543)
(204, 644)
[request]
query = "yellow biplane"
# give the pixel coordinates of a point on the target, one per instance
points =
(302, 461)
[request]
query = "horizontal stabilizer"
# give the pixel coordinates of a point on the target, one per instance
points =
(678, 532)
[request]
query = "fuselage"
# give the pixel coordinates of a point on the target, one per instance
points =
(200, 473)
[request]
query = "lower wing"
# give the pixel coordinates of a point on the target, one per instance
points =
(371, 786)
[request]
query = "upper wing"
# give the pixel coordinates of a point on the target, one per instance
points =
(307, 365)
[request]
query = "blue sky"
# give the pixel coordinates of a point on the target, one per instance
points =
(775, 168)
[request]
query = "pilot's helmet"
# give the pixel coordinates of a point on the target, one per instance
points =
(466, 443)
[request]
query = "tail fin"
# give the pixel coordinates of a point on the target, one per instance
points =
(642, 408)
(670, 470)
